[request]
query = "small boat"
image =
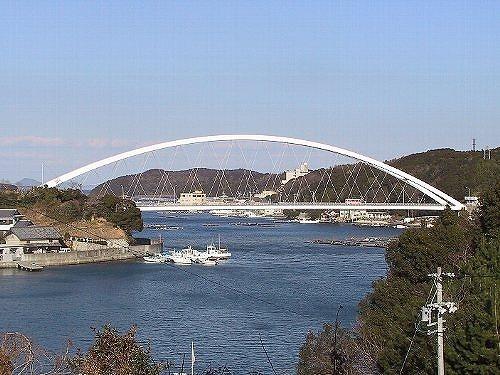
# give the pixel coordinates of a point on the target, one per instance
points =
(156, 258)
(178, 257)
(217, 253)
(206, 262)
(308, 221)
(193, 254)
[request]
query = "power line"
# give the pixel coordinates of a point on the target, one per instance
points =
(249, 295)
(214, 282)
(267, 355)
(417, 324)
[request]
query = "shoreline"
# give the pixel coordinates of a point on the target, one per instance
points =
(87, 256)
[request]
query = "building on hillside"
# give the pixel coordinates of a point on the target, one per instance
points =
(198, 197)
(292, 174)
(471, 203)
(362, 216)
(34, 239)
(265, 195)
(8, 218)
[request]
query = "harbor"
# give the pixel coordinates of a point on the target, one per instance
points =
(196, 302)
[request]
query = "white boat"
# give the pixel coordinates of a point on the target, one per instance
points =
(217, 253)
(253, 214)
(156, 258)
(308, 221)
(178, 257)
(194, 254)
(206, 262)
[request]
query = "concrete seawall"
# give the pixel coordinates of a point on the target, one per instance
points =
(88, 256)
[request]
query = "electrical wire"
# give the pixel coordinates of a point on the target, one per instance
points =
(207, 279)
(417, 324)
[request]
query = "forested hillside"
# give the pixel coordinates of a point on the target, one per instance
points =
(454, 172)
(74, 213)
(389, 337)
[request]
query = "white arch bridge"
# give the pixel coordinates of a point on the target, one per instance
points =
(249, 172)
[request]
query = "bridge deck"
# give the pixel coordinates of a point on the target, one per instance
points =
(292, 206)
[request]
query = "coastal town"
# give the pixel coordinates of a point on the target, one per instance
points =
(28, 246)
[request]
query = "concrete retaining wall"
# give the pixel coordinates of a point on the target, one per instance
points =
(89, 256)
(84, 246)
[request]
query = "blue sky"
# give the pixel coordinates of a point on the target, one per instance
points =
(81, 80)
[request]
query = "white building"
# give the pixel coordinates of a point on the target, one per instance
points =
(8, 218)
(195, 198)
(350, 215)
(301, 171)
(471, 203)
(28, 240)
(34, 239)
(354, 215)
(265, 194)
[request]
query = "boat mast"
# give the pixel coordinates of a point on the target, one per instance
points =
(192, 358)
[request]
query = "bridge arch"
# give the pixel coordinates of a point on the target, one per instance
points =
(440, 197)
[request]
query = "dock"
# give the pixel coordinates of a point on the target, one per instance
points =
(29, 266)
(382, 242)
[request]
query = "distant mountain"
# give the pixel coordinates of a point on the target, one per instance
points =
(211, 181)
(28, 182)
(453, 172)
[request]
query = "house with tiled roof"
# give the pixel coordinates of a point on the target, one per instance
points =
(28, 240)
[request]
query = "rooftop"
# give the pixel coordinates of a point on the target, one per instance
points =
(8, 213)
(36, 233)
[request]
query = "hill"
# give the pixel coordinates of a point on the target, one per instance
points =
(75, 214)
(208, 180)
(451, 171)
(28, 182)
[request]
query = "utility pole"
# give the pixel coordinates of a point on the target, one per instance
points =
(433, 313)
(334, 354)
(43, 173)
(474, 144)
(440, 329)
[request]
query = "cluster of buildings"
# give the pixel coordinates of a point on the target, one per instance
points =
(198, 197)
(20, 236)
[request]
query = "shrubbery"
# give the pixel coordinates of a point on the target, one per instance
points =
(389, 314)
(71, 205)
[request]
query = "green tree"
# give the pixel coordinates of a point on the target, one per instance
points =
(121, 212)
(389, 313)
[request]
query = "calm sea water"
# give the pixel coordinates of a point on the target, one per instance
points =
(276, 286)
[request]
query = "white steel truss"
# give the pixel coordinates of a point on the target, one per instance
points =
(441, 199)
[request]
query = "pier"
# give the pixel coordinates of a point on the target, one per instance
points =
(353, 241)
